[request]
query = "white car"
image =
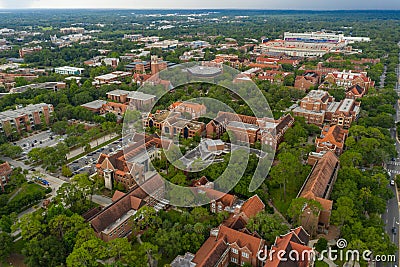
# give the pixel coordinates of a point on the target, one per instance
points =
(392, 182)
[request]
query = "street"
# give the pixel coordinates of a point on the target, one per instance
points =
(391, 215)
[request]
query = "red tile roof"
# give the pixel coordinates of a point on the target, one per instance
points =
(5, 169)
(253, 206)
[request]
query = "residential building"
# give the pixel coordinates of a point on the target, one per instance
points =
(293, 243)
(25, 119)
(307, 81)
(95, 106)
(250, 129)
(5, 174)
(318, 186)
(194, 109)
(29, 50)
(272, 131)
(53, 86)
(111, 78)
(116, 108)
(314, 107)
(332, 138)
(69, 70)
(134, 98)
(116, 220)
(347, 79)
(172, 124)
(355, 92)
(346, 113)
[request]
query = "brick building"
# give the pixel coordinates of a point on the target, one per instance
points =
(318, 186)
(346, 113)
(132, 165)
(25, 119)
(250, 129)
(116, 220)
(5, 173)
(194, 109)
(332, 138)
(306, 81)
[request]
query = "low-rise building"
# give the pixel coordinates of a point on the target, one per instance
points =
(111, 78)
(116, 220)
(317, 107)
(194, 109)
(5, 174)
(66, 70)
(348, 78)
(29, 50)
(332, 138)
(318, 186)
(131, 165)
(346, 113)
(95, 106)
(25, 119)
(355, 92)
(53, 86)
(134, 98)
(250, 129)
(293, 243)
(306, 81)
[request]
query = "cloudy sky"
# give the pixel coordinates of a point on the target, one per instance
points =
(170, 4)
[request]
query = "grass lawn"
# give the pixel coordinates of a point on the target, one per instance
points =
(292, 189)
(28, 189)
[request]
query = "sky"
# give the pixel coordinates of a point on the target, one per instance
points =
(206, 4)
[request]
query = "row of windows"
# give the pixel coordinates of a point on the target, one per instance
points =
(244, 254)
(234, 260)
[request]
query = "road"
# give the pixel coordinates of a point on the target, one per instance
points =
(391, 215)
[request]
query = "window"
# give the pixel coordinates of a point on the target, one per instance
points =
(234, 260)
(235, 251)
(245, 255)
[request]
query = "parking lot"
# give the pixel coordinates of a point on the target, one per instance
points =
(87, 164)
(43, 139)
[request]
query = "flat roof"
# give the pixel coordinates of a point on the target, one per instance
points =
(118, 92)
(140, 96)
(243, 125)
(15, 113)
(97, 104)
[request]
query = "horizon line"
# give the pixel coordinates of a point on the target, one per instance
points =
(188, 9)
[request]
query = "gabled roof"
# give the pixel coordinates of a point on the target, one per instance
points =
(117, 195)
(289, 242)
(356, 89)
(242, 239)
(319, 179)
(253, 206)
(334, 135)
(117, 209)
(210, 252)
